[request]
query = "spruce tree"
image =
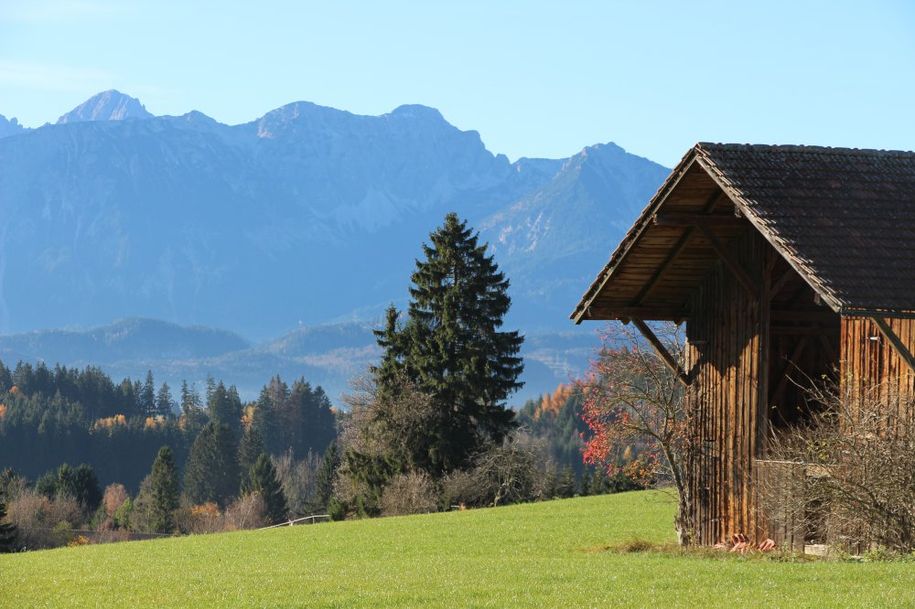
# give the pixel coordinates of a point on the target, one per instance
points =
(163, 480)
(249, 449)
(190, 399)
(267, 414)
(452, 346)
(263, 480)
(8, 533)
(211, 473)
(191, 408)
(567, 485)
(164, 402)
(79, 483)
(148, 395)
(225, 407)
(324, 485)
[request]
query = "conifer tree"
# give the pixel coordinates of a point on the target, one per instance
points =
(129, 397)
(210, 387)
(263, 480)
(8, 533)
(79, 483)
(324, 485)
(191, 408)
(212, 473)
(452, 346)
(567, 485)
(163, 480)
(148, 395)
(190, 399)
(225, 407)
(164, 402)
(250, 448)
(270, 417)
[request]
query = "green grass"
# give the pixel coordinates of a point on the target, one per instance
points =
(540, 555)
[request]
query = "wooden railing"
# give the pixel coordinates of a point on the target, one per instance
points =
(305, 519)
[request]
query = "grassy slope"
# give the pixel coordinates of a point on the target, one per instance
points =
(540, 555)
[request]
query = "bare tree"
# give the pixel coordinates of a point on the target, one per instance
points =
(634, 407)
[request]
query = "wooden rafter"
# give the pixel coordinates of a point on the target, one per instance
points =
(694, 219)
(675, 252)
(895, 341)
(661, 350)
(822, 316)
(742, 277)
(659, 313)
(801, 330)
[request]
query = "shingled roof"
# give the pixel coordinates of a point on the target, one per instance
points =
(843, 218)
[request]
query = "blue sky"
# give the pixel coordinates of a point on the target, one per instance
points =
(534, 78)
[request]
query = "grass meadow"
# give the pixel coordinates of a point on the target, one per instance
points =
(552, 554)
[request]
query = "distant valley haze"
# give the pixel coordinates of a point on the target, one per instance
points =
(301, 224)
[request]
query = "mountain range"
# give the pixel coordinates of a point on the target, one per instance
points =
(302, 224)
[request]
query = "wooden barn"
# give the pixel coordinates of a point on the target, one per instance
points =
(778, 259)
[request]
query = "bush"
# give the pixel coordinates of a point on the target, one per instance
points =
(199, 519)
(500, 476)
(411, 493)
(42, 522)
(848, 474)
(247, 512)
(336, 509)
(461, 489)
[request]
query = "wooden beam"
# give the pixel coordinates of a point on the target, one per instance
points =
(675, 252)
(762, 354)
(849, 312)
(692, 219)
(823, 316)
(661, 350)
(900, 347)
(621, 312)
(742, 277)
(801, 330)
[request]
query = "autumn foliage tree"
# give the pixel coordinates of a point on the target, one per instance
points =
(634, 409)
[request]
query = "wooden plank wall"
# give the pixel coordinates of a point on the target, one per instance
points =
(723, 353)
(868, 360)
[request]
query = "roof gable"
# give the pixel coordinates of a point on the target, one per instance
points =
(843, 218)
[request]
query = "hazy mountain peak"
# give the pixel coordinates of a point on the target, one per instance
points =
(9, 126)
(108, 105)
(417, 111)
(300, 113)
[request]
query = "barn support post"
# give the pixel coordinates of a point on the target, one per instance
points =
(662, 351)
(767, 291)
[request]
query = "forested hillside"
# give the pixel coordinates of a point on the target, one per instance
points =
(50, 416)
